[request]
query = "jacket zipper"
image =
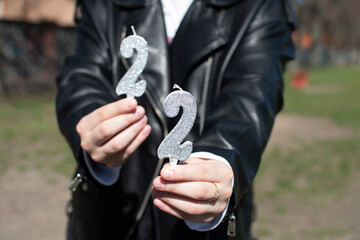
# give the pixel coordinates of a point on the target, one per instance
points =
(204, 95)
(231, 228)
(207, 81)
(76, 182)
(231, 225)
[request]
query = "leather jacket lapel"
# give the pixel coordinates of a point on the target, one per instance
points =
(197, 37)
(130, 3)
(222, 3)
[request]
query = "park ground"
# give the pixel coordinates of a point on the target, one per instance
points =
(307, 187)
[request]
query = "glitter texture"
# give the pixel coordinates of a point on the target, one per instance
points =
(128, 83)
(171, 146)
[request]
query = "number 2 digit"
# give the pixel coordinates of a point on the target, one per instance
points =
(171, 146)
(128, 84)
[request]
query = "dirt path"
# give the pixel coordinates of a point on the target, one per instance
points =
(33, 205)
(316, 217)
(292, 130)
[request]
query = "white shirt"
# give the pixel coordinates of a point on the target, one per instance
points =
(174, 12)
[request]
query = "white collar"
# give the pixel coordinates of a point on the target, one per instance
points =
(174, 12)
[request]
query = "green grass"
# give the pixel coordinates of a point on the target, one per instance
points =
(333, 231)
(323, 168)
(310, 176)
(331, 93)
(29, 136)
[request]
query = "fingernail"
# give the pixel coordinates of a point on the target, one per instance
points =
(131, 102)
(167, 173)
(139, 112)
(143, 121)
(159, 184)
(158, 203)
(146, 130)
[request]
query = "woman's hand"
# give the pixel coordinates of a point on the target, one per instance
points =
(187, 191)
(111, 133)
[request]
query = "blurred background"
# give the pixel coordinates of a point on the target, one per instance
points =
(308, 185)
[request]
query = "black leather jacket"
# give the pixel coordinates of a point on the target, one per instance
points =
(229, 54)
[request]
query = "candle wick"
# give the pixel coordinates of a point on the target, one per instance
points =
(173, 161)
(133, 29)
(177, 86)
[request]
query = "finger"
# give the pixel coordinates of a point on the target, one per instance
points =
(120, 157)
(108, 128)
(179, 214)
(140, 138)
(120, 141)
(168, 209)
(189, 209)
(193, 190)
(110, 110)
(207, 171)
(188, 161)
(186, 205)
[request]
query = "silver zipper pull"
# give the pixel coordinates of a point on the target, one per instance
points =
(231, 230)
(75, 182)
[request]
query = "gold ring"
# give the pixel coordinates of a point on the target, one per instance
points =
(216, 193)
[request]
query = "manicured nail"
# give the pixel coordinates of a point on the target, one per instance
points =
(130, 102)
(159, 184)
(167, 173)
(139, 112)
(143, 121)
(146, 130)
(158, 203)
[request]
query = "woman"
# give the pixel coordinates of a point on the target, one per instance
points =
(230, 55)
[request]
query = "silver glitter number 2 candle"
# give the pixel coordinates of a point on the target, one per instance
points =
(171, 146)
(128, 83)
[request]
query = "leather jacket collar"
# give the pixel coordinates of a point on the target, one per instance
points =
(143, 3)
(222, 3)
(131, 3)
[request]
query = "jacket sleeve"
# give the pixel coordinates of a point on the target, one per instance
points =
(85, 82)
(239, 122)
